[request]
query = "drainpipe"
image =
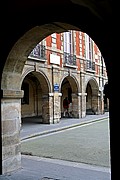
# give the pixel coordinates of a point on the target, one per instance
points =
(53, 92)
(81, 93)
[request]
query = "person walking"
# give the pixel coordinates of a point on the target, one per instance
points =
(70, 110)
(66, 107)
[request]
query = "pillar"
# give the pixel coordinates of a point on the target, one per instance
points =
(96, 103)
(101, 103)
(51, 108)
(57, 107)
(75, 105)
(82, 104)
(82, 95)
(11, 125)
(46, 104)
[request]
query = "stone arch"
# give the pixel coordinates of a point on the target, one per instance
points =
(40, 75)
(94, 85)
(92, 96)
(18, 42)
(88, 13)
(72, 79)
(15, 62)
(39, 86)
(69, 87)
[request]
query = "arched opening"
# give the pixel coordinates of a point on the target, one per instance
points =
(23, 35)
(35, 102)
(30, 106)
(92, 102)
(35, 78)
(69, 89)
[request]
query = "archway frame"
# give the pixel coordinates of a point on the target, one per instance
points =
(95, 11)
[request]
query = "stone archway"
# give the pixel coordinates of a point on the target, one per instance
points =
(70, 88)
(92, 97)
(11, 87)
(21, 38)
(37, 87)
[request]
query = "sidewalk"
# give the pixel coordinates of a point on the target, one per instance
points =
(34, 128)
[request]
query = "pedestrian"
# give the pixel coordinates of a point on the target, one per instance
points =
(70, 110)
(66, 107)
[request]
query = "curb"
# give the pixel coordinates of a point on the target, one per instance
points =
(63, 128)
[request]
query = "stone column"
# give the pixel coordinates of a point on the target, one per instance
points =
(56, 94)
(75, 105)
(96, 104)
(82, 95)
(101, 96)
(11, 124)
(79, 105)
(101, 103)
(82, 104)
(57, 107)
(107, 104)
(51, 108)
(60, 101)
(45, 109)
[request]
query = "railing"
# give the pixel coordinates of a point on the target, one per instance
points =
(69, 59)
(39, 52)
(90, 66)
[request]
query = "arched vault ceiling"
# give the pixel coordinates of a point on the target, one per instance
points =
(104, 5)
(90, 16)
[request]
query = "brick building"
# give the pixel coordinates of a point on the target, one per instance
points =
(65, 64)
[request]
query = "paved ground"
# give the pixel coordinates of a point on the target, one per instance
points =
(87, 143)
(31, 126)
(34, 168)
(37, 168)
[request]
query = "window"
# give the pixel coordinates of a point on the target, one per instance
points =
(53, 40)
(69, 57)
(68, 42)
(89, 47)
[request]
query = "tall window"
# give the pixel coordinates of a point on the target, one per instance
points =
(89, 47)
(69, 56)
(53, 39)
(68, 42)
